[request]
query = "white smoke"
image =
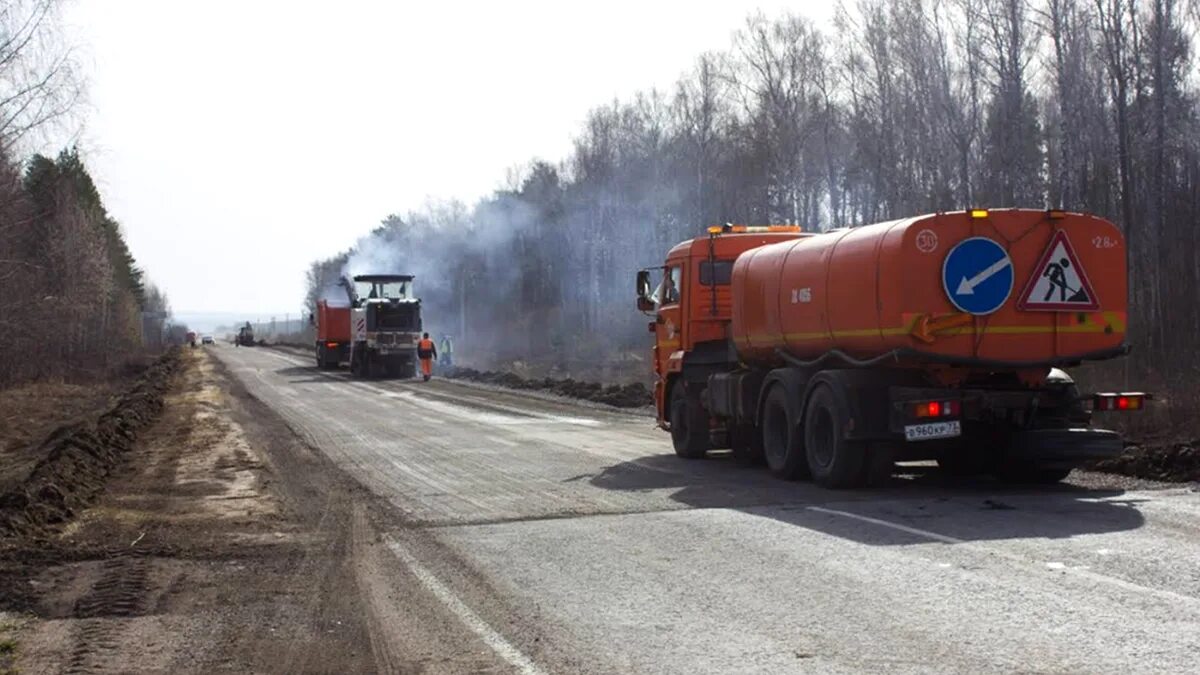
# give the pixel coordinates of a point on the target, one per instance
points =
(334, 295)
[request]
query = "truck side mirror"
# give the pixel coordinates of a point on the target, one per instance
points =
(644, 303)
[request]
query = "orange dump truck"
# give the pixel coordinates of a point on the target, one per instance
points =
(834, 355)
(333, 334)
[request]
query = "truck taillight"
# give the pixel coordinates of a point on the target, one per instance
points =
(1122, 401)
(925, 409)
(331, 345)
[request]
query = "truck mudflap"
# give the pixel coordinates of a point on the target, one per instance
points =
(1065, 447)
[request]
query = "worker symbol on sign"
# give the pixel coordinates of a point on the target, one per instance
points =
(1058, 282)
(1056, 272)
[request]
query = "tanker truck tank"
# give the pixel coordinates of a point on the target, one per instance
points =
(1008, 288)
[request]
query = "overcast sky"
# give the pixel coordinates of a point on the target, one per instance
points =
(238, 141)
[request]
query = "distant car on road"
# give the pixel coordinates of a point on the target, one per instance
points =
(207, 340)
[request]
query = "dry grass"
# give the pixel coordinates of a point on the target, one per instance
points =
(30, 412)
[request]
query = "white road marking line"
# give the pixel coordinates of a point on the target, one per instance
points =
(503, 648)
(895, 526)
(502, 441)
(1100, 578)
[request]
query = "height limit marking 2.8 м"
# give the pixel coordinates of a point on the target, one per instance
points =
(977, 275)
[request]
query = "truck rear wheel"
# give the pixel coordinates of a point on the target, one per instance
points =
(782, 443)
(834, 461)
(326, 358)
(689, 424)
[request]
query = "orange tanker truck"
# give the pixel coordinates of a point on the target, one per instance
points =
(943, 336)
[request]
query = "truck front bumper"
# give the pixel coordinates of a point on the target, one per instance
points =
(1065, 447)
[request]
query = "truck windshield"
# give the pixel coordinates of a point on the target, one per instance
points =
(667, 292)
(368, 290)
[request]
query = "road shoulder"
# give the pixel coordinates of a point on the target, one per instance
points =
(224, 543)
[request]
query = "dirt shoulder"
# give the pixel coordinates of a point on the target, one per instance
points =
(221, 543)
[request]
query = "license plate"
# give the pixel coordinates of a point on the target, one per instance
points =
(925, 432)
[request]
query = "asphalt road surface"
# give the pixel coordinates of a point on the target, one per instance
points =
(568, 538)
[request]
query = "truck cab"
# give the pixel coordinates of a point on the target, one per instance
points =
(689, 298)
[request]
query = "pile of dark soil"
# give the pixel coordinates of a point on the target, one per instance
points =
(633, 395)
(75, 459)
(1168, 462)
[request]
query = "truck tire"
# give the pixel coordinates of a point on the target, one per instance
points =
(689, 424)
(782, 441)
(325, 361)
(834, 461)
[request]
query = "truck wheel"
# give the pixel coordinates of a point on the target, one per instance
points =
(325, 360)
(745, 442)
(834, 461)
(689, 424)
(782, 443)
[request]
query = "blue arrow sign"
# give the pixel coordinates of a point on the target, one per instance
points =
(977, 275)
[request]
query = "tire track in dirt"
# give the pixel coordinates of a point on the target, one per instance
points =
(119, 593)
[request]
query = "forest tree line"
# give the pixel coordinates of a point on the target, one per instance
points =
(71, 293)
(905, 107)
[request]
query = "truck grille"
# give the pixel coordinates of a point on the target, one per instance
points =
(398, 339)
(399, 316)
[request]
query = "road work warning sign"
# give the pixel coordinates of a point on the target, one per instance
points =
(1059, 282)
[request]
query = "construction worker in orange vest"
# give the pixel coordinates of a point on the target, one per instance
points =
(427, 352)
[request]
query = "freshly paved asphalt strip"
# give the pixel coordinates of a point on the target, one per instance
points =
(606, 553)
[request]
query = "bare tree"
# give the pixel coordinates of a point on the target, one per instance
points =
(40, 82)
